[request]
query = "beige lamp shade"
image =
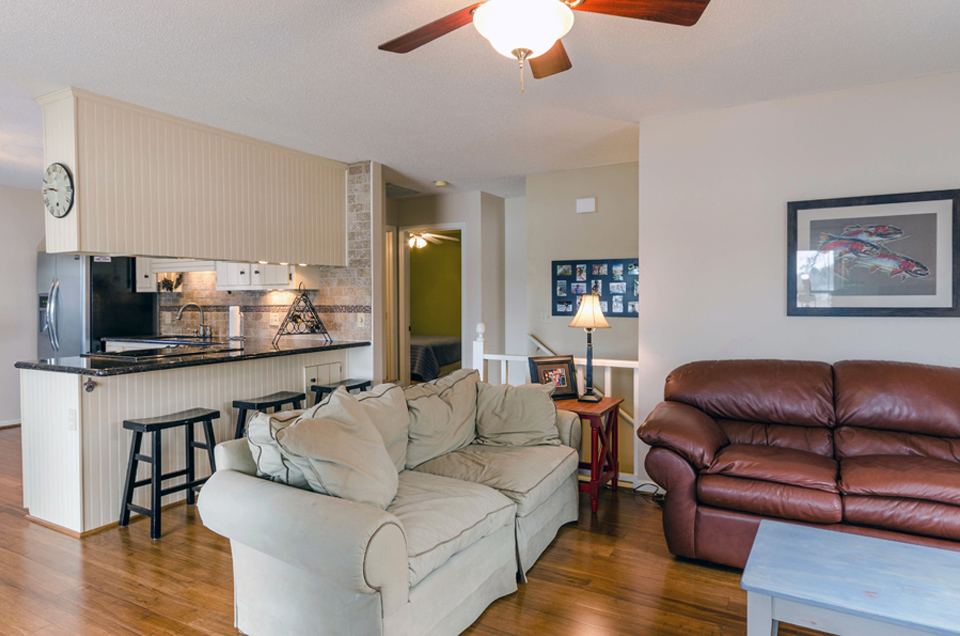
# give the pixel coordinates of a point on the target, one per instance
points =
(589, 316)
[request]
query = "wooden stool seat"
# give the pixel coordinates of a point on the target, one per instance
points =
(352, 384)
(155, 426)
(273, 401)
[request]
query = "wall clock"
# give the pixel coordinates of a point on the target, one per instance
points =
(58, 190)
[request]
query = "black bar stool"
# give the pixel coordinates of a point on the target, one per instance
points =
(352, 384)
(156, 425)
(273, 401)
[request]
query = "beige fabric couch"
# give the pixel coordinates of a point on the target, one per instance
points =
(461, 530)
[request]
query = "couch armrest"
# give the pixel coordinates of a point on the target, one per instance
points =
(687, 431)
(235, 455)
(355, 546)
(570, 429)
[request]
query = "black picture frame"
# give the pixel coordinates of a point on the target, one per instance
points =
(796, 304)
(557, 364)
(617, 279)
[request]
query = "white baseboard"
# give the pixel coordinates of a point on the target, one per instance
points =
(9, 423)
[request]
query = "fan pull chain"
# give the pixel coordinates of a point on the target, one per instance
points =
(521, 74)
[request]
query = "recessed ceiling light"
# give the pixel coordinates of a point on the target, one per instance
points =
(440, 183)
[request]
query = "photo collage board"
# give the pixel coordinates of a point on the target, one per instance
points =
(616, 281)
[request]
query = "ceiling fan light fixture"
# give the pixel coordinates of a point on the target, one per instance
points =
(523, 25)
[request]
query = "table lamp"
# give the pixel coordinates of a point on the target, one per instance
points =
(589, 317)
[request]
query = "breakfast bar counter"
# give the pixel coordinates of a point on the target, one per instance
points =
(75, 449)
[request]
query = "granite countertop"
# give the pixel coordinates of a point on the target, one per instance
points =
(252, 350)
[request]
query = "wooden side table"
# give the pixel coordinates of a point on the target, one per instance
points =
(604, 464)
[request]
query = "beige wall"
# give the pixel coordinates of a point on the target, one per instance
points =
(714, 188)
(21, 217)
(555, 231)
(481, 216)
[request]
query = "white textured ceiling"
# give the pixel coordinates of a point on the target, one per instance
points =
(307, 74)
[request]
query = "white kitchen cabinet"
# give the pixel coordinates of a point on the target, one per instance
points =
(262, 277)
(146, 278)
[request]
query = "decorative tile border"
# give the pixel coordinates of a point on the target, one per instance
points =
(323, 309)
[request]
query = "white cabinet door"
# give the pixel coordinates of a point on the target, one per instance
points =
(278, 276)
(258, 274)
(240, 272)
(146, 279)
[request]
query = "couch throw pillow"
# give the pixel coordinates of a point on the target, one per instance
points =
(516, 416)
(341, 453)
(262, 437)
(443, 415)
(387, 407)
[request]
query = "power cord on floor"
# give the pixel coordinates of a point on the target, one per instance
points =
(656, 495)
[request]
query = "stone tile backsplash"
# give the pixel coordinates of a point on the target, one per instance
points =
(345, 294)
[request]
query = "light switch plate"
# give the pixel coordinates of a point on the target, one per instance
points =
(586, 206)
(274, 320)
(545, 317)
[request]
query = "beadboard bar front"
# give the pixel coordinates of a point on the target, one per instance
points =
(73, 473)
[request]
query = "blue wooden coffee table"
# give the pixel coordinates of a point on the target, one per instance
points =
(849, 585)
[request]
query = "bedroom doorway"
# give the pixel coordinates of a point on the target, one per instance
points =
(431, 294)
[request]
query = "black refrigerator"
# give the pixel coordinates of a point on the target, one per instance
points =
(81, 299)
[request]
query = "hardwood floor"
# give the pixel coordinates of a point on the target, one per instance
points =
(608, 575)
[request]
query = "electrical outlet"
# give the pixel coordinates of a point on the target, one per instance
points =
(274, 320)
(545, 317)
(361, 319)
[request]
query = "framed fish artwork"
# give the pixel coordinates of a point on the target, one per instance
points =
(884, 255)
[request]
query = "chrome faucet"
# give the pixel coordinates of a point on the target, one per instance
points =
(205, 330)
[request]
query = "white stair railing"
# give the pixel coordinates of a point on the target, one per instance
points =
(481, 359)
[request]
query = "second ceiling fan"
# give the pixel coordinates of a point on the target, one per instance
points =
(530, 30)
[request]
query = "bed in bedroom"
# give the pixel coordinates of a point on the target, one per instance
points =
(433, 356)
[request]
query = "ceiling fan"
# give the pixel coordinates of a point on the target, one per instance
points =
(531, 29)
(420, 239)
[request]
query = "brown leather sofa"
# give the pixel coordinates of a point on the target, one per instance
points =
(860, 446)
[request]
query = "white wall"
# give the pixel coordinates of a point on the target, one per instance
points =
(21, 217)
(714, 188)
(515, 283)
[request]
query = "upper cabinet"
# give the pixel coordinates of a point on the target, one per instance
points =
(151, 184)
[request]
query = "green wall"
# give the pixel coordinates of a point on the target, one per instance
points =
(435, 288)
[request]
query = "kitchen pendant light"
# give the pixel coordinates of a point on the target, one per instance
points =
(523, 29)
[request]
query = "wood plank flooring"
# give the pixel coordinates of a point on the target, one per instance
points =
(608, 575)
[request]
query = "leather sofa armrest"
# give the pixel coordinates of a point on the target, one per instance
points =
(686, 430)
(570, 429)
(355, 546)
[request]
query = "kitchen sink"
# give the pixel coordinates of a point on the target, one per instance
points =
(190, 340)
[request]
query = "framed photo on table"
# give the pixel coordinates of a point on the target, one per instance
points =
(559, 369)
(885, 255)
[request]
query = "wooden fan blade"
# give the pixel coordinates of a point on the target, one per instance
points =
(552, 62)
(431, 238)
(430, 32)
(682, 12)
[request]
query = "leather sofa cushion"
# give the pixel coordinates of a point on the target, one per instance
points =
(912, 516)
(779, 465)
(901, 476)
(852, 441)
(769, 499)
(772, 391)
(442, 517)
(527, 475)
(898, 396)
(813, 439)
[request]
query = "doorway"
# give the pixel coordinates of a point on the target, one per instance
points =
(431, 299)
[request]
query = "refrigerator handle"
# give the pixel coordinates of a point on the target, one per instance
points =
(48, 311)
(53, 315)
